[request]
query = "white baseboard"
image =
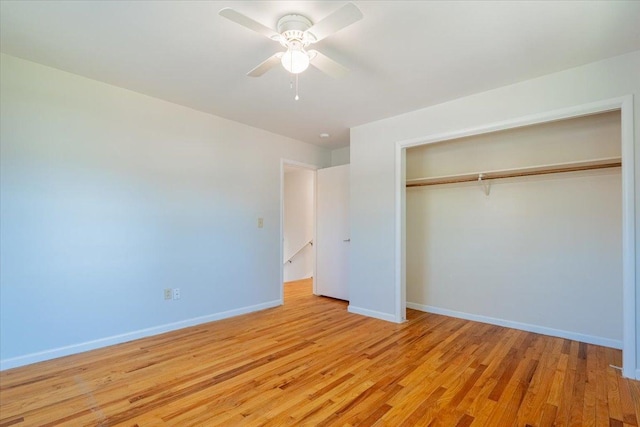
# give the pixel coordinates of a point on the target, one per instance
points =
(372, 313)
(589, 339)
(27, 359)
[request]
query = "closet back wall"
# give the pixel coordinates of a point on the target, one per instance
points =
(541, 253)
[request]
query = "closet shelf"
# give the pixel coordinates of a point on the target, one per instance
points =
(609, 162)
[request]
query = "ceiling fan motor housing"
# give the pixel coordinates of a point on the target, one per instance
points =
(294, 28)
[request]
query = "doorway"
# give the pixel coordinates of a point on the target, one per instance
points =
(297, 224)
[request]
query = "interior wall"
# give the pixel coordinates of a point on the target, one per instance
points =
(543, 253)
(299, 186)
(375, 264)
(109, 196)
(340, 156)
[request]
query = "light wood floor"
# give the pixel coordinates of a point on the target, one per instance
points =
(312, 363)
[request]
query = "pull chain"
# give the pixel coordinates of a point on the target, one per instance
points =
(291, 86)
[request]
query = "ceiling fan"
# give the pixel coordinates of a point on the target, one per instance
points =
(295, 33)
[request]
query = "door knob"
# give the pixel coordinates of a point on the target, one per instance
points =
(346, 240)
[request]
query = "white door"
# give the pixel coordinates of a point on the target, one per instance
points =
(332, 232)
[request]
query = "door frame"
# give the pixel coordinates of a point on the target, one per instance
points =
(625, 105)
(313, 168)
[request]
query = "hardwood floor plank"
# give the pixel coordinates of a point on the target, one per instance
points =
(425, 411)
(629, 400)
(548, 415)
(11, 421)
(310, 362)
(577, 401)
(465, 421)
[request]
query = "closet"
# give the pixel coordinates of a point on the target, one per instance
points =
(521, 228)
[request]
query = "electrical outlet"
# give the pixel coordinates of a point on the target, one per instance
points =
(260, 222)
(167, 293)
(176, 293)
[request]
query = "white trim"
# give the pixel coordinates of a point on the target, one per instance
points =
(371, 313)
(637, 377)
(400, 314)
(589, 339)
(54, 353)
(314, 168)
(629, 303)
(625, 105)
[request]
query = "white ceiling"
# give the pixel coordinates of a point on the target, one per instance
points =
(403, 55)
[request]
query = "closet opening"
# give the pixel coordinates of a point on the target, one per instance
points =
(526, 225)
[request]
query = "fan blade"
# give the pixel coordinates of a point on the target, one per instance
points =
(327, 65)
(343, 17)
(249, 23)
(266, 65)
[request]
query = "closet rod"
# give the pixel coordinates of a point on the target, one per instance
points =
(512, 173)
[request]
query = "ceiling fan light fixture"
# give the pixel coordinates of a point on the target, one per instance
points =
(295, 33)
(295, 60)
